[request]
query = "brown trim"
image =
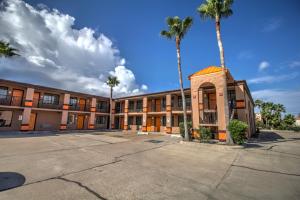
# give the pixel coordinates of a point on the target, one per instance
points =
(28, 103)
(222, 135)
(240, 104)
(91, 126)
(66, 107)
(125, 127)
(93, 109)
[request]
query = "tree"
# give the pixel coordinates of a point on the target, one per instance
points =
(6, 50)
(216, 9)
(112, 82)
(177, 29)
(289, 120)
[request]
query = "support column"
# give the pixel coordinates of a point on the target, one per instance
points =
(64, 115)
(112, 117)
(222, 107)
(145, 115)
(169, 113)
(92, 114)
(27, 110)
(126, 115)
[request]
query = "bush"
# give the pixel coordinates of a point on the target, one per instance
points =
(205, 134)
(237, 129)
(296, 128)
(189, 126)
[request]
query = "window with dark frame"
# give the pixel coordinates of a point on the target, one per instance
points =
(130, 120)
(179, 101)
(73, 101)
(139, 105)
(138, 120)
(164, 120)
(131, 105)
(3, 92)
(51, 99)
(100, 119)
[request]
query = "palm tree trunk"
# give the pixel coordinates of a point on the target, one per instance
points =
(186, 133)
(220, 44)
(110, 107)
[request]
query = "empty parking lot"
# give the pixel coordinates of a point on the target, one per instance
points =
(97, 165)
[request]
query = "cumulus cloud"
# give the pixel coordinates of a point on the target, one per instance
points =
(294, 64)
(289, 98)
(54, 53)
(273, 79)
(263, 65)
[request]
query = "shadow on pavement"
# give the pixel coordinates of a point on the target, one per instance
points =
(9, 180)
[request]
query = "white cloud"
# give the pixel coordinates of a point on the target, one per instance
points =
(272, 79)
(263, 65)
(294, 64)
(272, 25)
(55, 54)
(289, 98)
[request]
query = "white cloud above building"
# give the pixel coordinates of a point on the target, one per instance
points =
(54, 53)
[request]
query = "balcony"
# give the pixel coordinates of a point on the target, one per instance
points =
(46, 104)
(9, 100)
(102, 110)
(119, 110)
(179, 108)
(78, 107)
(209, 117)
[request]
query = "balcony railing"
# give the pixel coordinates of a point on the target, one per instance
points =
(209, 117)
(179, 108)
(119, 110)
(102, 110)
(10, 100)
(78, 107)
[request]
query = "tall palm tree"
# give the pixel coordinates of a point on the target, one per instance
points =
(177, 30)
(112, 82)
(6, 50)
(216, 9)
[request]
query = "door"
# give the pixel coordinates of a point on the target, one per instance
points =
(157, 105)
(149, 123)
(36, 98)
(122, 123)
(80, 121)
(82, 104)
(32, 121)
(17, 96)
(157, 124)
(212, 101)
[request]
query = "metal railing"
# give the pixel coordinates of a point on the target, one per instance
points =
(10, 100)
(209, 117)
(179, 108)
(103, 110)
(78, 107)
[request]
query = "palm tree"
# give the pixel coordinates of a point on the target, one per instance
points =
(112, 81)
(216, 9)
(177, 30)
(6, 50)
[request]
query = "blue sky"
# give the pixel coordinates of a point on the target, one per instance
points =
(261, 41)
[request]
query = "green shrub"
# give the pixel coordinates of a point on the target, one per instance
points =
(189, 126)
(296, 128)
(237, 129)
(205, 134)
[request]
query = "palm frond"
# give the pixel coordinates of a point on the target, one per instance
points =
(166, 34)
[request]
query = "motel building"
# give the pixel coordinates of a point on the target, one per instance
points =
(212, 98)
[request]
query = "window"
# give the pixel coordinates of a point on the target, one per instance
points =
(180, 119)
(5, 118)
(172, 101)
(118, 107)
(71, 118)
(102, 105)
(130, 120)
(139, 105)
(173, 121)
(100, 120)
(73, 101)
(231, 99)
(3, 92)
(188, 100)
(131, 105)
(138, 120)
(179, 101)
(164, 120)
(50, 99)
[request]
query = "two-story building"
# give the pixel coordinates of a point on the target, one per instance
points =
(213, 98)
